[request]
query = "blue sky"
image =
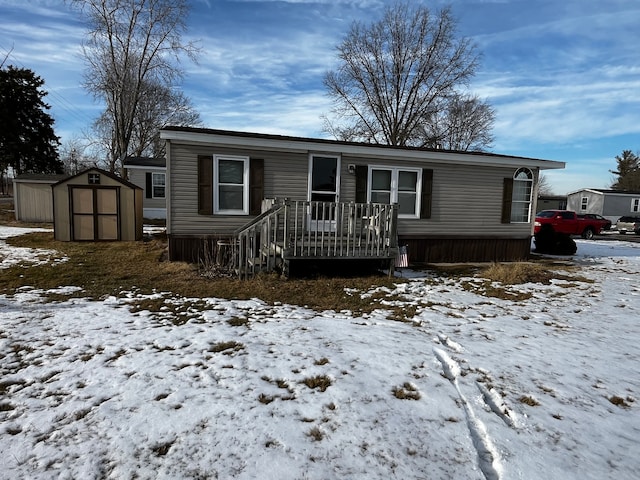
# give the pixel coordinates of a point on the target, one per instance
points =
(563, 76)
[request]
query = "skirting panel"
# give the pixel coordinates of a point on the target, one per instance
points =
(420, 250)
(456, 250)
(193, 249)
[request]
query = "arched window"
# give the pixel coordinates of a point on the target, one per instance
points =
(521, 198)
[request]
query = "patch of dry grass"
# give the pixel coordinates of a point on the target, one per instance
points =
(497, 279)
(621, 402)
(529, 400)
(321, 382)
(407, 391)
(112, 268)
(316, 434)
(226, 348)
(518, 273)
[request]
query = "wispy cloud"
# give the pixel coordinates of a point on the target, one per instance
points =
(563, 76)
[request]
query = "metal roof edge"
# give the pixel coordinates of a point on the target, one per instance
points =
(258, 140)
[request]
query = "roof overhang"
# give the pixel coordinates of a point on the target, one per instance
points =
(365, 150)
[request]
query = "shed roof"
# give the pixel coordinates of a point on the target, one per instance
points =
(102, 172)
(39, 177)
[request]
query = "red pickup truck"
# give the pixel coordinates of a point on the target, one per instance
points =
(566, 221)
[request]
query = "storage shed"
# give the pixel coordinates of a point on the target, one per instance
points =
(32, 197)
(97, 205)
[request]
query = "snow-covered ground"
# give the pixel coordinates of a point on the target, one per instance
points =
(473, 388)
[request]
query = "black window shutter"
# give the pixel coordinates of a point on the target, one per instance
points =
(205, 185)
(361, 183)
(149, 185)
(256, 185)
(426, 199)
(507, 194)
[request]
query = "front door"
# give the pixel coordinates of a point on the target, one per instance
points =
(324, 185)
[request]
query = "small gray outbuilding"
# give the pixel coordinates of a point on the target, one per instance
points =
(96, 205)
(32, 197)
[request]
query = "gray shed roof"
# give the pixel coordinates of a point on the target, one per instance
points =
(39, 177)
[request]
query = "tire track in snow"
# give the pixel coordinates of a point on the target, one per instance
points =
(488, 457)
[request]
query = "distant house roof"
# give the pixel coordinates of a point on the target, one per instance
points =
(145, 162)
(604, 190)
(552, 197)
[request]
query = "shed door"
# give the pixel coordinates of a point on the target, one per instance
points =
(95, 213)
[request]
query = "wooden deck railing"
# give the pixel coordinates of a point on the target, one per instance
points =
(297, 230)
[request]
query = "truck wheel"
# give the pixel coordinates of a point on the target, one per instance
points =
(588, 233)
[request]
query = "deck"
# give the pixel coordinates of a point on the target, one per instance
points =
(310, 230)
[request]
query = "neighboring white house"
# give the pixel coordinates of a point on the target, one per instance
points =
(611, 204)
(149, 174)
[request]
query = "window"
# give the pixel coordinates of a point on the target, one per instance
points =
(635, 204)
(231, 185)
(157, 180)
(94, 179)
(584, 203)
(521, 197)
(396, 185)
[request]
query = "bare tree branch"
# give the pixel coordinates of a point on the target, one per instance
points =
(400, 73)
(131, 45)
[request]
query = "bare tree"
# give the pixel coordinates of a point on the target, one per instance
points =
(75, 156)
(131, 44)
(159, 106)
(544, 188)
(463, 124)
(398, 74)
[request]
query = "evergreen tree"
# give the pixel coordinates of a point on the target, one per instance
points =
(28, 143)
(628, 172)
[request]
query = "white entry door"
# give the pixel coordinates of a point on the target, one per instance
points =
(324, 185)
